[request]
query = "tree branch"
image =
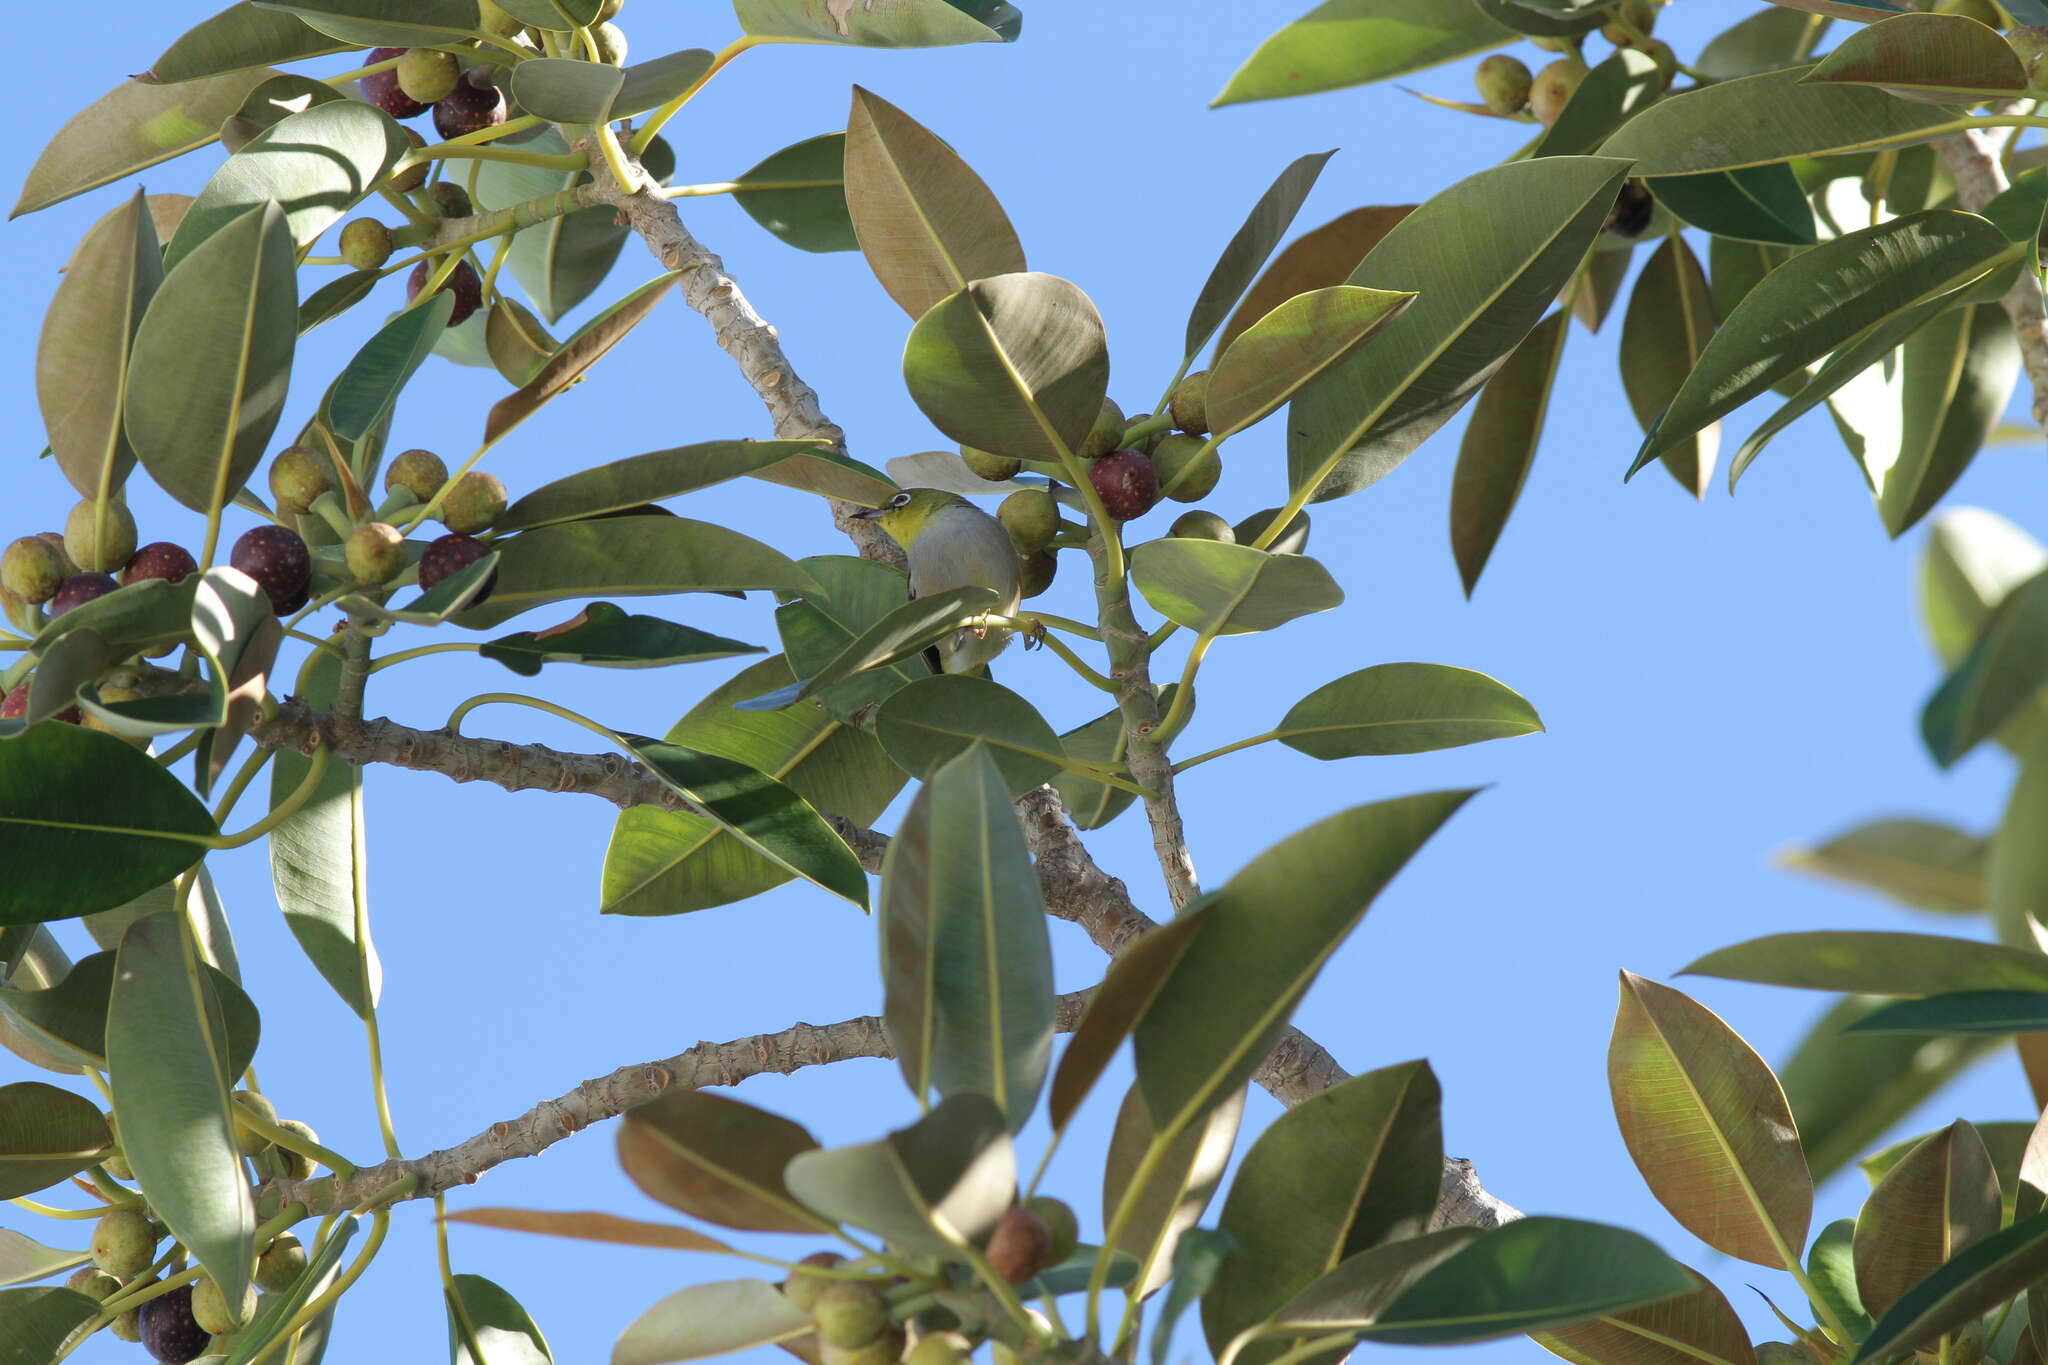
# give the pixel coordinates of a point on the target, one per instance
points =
(1973, 162)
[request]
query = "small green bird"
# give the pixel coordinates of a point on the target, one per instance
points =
(951, 543)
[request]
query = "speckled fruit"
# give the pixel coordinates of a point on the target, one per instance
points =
(123, 1243)
(93, 1283)
(56, 540)
(374, 553)
(1202, 525)
(14, 704)
(212, 1311)
(169, 1331)
(427, 74)
(1035, 572)
(420, 471)
(1107, 433)
(295, 1165)
(32, 569)
(1058, 1217)
(469, 108)
(415, 175)
(1190, 404)
(99, 544)
(1032, 518)
(1503, 83)
(987, 465)
(1553, 88)
(2030, 41)
(1632, 211)
(79, 589)
(850, 1313)
(940, 1348)
(1630, 17)
(381, 87)
(297, 477)
(611, 44)
(886, 1349)
(1188, 467)
(277, 558)
(281, 1264)
(446, 199)
(248, 1139)
(1126, 483)
(475, 501)
(365, 244)
(804, 1290)
(450, 555)
(461, 282)
(165, 559)
(1021, 1245)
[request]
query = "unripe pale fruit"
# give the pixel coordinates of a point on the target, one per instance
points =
(248, 1140)
(1021, 1245)
(1106, 435)
(128, 1326)
(116, 1161)
(1188, 467)
(79, 589)
(1202, 525)
(297, 477)
(296, 1165)
(381, 87)
(109, 693)
(365, 244)
(375, 553)
(426, 74)
(1031, 517)
(1503, 83)
(469, 108)
(476, 501)
(446, 199)
(1637, 15)
(160, 559)
(2031, 43)
(281, 1264)
(99, 545)
(1058, 1217)
(1126, 483)
(886, 1349)
(450, 555)
(463, 282)
(611, 44)
(278, 560)
(850, 1314)
(422, 471)
(169, 1331)
(123, 1243)
(415, 175)
(804, 1290)
(940, 1348)
(1633, 209)
(1190, 405)
(32, 569)
(986, 465)
(609, 10)
(1554, 87)
(56, 540)
(212, 1311)
(93, 1283)
(495, 21)
(1035, 572)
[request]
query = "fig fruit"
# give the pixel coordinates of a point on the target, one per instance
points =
(277, 558)
(1126, 483)
(99, 544)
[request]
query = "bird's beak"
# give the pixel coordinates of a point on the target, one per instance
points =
(869, 513)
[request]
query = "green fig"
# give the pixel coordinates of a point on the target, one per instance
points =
(611, 44)
(365, 244)
(1188, 467)
(248, 1140)
(421, 471)
(296, 1166)
(1032, 517)
(1504, 82)
(99, 545)
(374, 552)
(994, 468)
(281, 1264)
(93, 1282)
(476, 500)
(427, 74)
(1035, 572)
(1629, 20)
(940, 1348)
(297, 478)
(123, 1243)
(411, 177)
(1190, 404)
(803, 1290)
(850, 1313)
(1554, 87)
(1202, 525)
(212, 1311)
(1058, 1217)
(33, 569)
(1106, 435)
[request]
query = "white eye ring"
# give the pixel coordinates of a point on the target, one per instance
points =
(900, 500)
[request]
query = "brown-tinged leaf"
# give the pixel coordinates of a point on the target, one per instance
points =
(717, 1159)
(576, 356)
(1499, 446)
(1319, 258)
(592, 1227)
(1132, 981)
(1599, 285)
(1691, 1329)
(1942, 1197)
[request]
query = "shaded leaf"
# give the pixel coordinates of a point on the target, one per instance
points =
(1921, 863)
(1670, 323)
(1755, 204)
(70, 1016)
(1761, 42)
(1876, 963)
(82, 354)
(937, 718)
(367, 389)
(1321, 257)
(588, 346)
(710, 1320)
(46, 1134)
(490, 1327)
(1981, 1277)
(604, 636)
(1250, 247)
(2001, 675)
(1610, 94)
(799, 194)
(1962, 1012)
(1680, 1330)
(904, 632)
(391, 23)
(42, 1323)
(1937, 1201)
(1128, 988)
(641, 479)
(1290, 346)
(928, 1189)
(1830, 1264)
(1184, 1177)
(1499, 446)
(1222, 589)
(718, 1159)
(23, 1260)
(1926, 54)
(1354, 42)
(239, 37)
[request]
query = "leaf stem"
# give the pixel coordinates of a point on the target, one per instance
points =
(736, 186)
(48, 1211)
(293, 1141)
(661, 116)
(285, 809)
(540, 161)
(452, 646)
(1184, 695)
(1185, 764)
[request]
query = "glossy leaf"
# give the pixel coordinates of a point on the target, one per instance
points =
(799, 194)
(1921, 863)
(1756, 204)
(1681, 1330)
(581, 351)
(367, 389)
(855, 596)
(1017, 364)
(710, 1320)
(1830, 1264)
(1980, 1278)
(929, 1188)
(1185, 1176)
(1926, 54)
(904, 632)
(1128, 988)
(39, 1325)
(641, 479)
(592, 1227)
(1956, 376)
(935, 719)
(239, 37)
(1354, 42)
(491, 1328)
(1877, 963)
(1996, 680)
(1937, 1201)
(717, 1159)
(1708, 1126)
(212, 361)
(604, 636)
(82, 355)
(1249, 249)
(1290, 347)
(927, 223)
(1669, 325)
(1321, 257)
(1499, 446)
(167, 1064)
(1404, 709)
(880, 23)
(46, 1134)
(966, 960)
(1223, 589)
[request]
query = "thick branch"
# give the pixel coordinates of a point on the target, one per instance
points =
(1973, 162)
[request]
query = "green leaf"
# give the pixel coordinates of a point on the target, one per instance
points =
(717, 1159)
(336, 297)
(935, 719)
(1356, 1166)
(70, 665)
(1612, 93)
(1404, 709)
(562, 261)
(212, 360)
(1484, 279)
(581, 351)
(760, 812)
(82, 355)
(567, 90)
(966, 959)
(1926, 54)
(1761, 42)
(1830, 1264)
(929, 1189)
(277, 1310)
(239, 37)
(1271, 927)
(799, 194)
(604, 636)
(386, 23)
(1770, 117)
(1499, 446)
(1824, 299)
(856, 595)
(1670, 324)
(1093, 804)
(487, 1326)
(1182, 1179)
(1980, 1278)
(1355, 42)
(367, 389)
(1956, 377)
(1935, 1203)
(1999, 677)
(882, 23)
(1755, 204)
(1962, 1012)
(1321, 257)
(830, 474)
(1920, 863)
(1249, 249)
(1359, 1289)
(23, 1260)
(40, 1325)
(1128, 988)
(928, 225)
(1197, 1257)
(710, 1320)
(903, 633)
(269, 104)
(1974, 559)
(46, 1134)
(1877, 963)
(70, 1017)
(1222, 589)
(1682, 1330)
(558, 16)
(131, 128)
(88, 822)
(655, 82)
(628, 557)
(1017, 364)
(641, 479)
(1708, 1126)
(1290, 347)
(516, 342)
(167, 1063)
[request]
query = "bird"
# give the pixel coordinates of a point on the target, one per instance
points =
(950, 543)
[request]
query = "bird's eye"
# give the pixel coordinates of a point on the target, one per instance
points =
(900, 500)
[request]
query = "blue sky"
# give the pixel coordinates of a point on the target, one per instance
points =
(1718, 680)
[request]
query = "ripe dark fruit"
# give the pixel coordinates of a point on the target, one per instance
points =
(1035, 572)
(99, 544)
(1058, 1217)
(994, 468)
(1554, 87)
(1503, 83)
(32, 569)
(1126, 483)
(127, 1327)
(426, 74)
(850, 1314)
(14, 705)
(297, 477)
(374, 553)
(1202, 525)
(446, 199)
(450, 555)
(381, 87)
(169, 1331)
(1021, 1245)
(415, 175)
(421, 472)
(1031, 517)
(365, 244)
(163, 559)
(462, 282)
(1188, 467)
(803, 1290)
(469, 108)
(79, 589)
(278, 560)
(1107, 433)
(1190, 405)
(476, 500)
(1632, 211)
